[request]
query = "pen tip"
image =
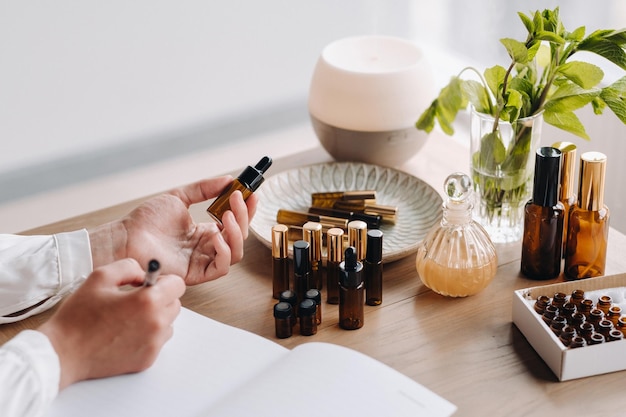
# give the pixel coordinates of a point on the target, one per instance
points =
(153, 265)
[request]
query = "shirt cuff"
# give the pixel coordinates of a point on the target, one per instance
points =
(74, 256)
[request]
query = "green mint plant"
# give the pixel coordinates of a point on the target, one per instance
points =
(542, 78)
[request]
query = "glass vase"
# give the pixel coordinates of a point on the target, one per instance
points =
(502, 163)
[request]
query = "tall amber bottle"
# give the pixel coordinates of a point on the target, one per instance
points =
(280, 260)
(542, 241)
(567, 193)
(351, 291)
(334, 239)
(312, 233)
(588, 228)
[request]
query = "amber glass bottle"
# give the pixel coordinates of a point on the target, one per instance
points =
(247, 182)
(588, 227)
(373, 266)
(351, 291)
(542, 241)
(334, 241)
(282, 319)
(280, 260)
(301, 269)
(308, 323)
(567, 194)
(312, 233)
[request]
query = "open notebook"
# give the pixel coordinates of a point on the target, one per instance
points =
(212, 369)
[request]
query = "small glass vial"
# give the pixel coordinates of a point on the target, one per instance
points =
(588, 228)
(312, 233)
(566, 335)
(615, 335)
(559, 299)
(282, 319)
(373, 268)
(621, 325)
(457, 258)
(586, 306)
(542, 241)
(247, 182)
(541, 303)
(334, 241)
(315, 295)
(604, 303)
(596, 338)
(604, 327)
(280, 260)
(595, 316)
(308, 322)
(351, 291)
(557, 324)
(577, 297)
(578, 318)
(301, 269)
(577, 342)
(567, 194)
(289, 296)
(614, 313)
(357, 238)
(549, 313)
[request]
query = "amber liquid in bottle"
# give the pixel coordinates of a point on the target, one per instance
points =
(280, 260)
(351, 292)
(247, 182)
(542, 241)
(373, 267)
(588, 228)
(335, 256)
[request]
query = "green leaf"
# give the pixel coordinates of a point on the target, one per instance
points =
(567, 121)
(426, 121)
(451, 100)
(617, 36)
(614, 96)
(492, 151)
(606, 48)
(514, 105)
(569, 97)
(478, 95)
(527, 21)
(516, 49)
(550, 37)
(584, 74)
(494, 77)
(598, 105)
(577, 35)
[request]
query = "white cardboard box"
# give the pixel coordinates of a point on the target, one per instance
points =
(568, 363)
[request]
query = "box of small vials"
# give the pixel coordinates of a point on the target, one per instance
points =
(578, 327)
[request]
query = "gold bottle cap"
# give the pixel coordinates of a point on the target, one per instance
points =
(312, 233)
(591, 182)
(279, 241)
(568, 152)
(335, 244)
(357, 237)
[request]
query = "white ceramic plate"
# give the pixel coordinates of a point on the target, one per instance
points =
(419, 205)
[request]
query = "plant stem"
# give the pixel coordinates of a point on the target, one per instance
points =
(496, 119)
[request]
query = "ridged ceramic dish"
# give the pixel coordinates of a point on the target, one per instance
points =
(419, 205)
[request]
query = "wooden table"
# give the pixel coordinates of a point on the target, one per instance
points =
(466, 350)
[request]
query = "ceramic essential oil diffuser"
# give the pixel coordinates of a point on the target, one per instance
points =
(365, 96)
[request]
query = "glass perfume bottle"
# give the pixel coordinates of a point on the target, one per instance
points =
(588, 226)
(567, 194)
(457, 258)
(542, 240)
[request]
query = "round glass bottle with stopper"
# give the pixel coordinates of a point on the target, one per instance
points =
(457, 258)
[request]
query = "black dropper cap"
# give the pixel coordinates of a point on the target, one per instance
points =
(374, 251)
(252, 177)
(547, 176)
(350, 270)
(301, 265)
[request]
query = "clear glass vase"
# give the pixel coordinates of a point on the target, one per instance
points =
(502, 163)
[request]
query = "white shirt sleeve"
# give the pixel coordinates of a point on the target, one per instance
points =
(40, 269)
(29, 375)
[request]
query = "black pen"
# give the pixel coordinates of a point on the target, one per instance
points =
(151, 273)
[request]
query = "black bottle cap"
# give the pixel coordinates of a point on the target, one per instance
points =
(350, 270)
(307, 307)
(301, 265)
(282, 310)
(547, 176)
(252, 177)
(314, 294)
(289, 297)
(374, 247)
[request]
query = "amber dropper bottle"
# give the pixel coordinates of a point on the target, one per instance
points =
(373, 267)
(280, 260)
(351, 291)
(588, 226)
(247, 182)
(542, 241)
(312, 233)
(301, 269)
(334, 240)
(567, 192)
